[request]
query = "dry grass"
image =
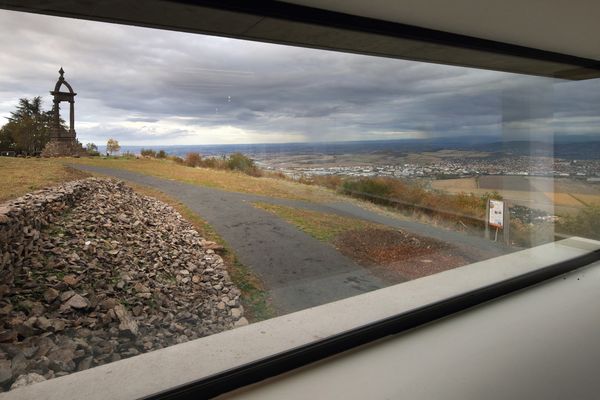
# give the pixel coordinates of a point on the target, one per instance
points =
(455, 185)
(321, 226)
(22, 175)
(588, 199)
(564, 199)
(225, 180)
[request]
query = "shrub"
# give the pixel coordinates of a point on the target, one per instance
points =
(211, 163)
(128, 155)
(148, 153)
(528, 235)
(585, 223)
(92, 149)
(161, 154)
(177, 159)
(329, 181)
(193, 159)
(274, 174)
(239, 162)
(414, 197)
(368, 188)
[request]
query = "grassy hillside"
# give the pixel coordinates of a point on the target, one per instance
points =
(221, 179)
(22, 175)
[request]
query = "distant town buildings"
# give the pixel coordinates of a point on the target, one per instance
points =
(526, 166)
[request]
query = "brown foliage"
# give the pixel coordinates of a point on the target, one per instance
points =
(193, 159)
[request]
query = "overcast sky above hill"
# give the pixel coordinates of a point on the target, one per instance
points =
(145, 86)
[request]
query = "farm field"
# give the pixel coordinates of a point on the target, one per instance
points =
(556, 195)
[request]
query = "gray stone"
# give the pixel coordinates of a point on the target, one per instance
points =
(18, 364)
(108, 304)
(26, 380)
(5, 371)
(127, 323)
(241, 322)
(61, 359)
(43, 323)
(66, 295)
(85, 363)
(139, 287)
(77, 302)
(57, 325)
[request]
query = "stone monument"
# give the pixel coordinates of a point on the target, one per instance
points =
(63, 142)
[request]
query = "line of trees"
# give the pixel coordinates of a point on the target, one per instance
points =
(28, 128)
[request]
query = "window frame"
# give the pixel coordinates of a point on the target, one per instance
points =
(524, 60)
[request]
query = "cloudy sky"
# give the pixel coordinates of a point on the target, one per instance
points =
(145, 86)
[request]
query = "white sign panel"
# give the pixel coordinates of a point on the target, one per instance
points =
(496, 217)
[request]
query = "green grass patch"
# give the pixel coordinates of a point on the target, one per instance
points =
(322, 226)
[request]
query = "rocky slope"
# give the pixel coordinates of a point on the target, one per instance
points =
(107, 274)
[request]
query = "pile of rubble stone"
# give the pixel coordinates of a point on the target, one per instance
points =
(114, 275)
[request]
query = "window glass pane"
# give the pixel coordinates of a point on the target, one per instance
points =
(255, 180)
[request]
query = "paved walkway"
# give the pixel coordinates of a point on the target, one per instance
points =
(298, 270)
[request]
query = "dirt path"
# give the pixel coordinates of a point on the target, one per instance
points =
(299, 271)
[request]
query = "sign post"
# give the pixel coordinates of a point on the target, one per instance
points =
(497, 216)
(506, 230)
(487, 219)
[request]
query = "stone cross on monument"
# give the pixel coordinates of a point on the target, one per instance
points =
(62, 142)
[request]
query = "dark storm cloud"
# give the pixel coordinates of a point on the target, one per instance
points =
(144, 85)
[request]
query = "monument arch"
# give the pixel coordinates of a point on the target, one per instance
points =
(63, 143)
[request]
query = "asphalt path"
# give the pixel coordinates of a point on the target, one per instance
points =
(299, 271)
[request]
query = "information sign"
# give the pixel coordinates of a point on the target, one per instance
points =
(496, 217)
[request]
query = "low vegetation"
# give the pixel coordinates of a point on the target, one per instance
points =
(224, 179)
(233, 162)
(412, 197)
(92, 149)
(585, 223)
(321, 226)
(153, 153)
(22, 175)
